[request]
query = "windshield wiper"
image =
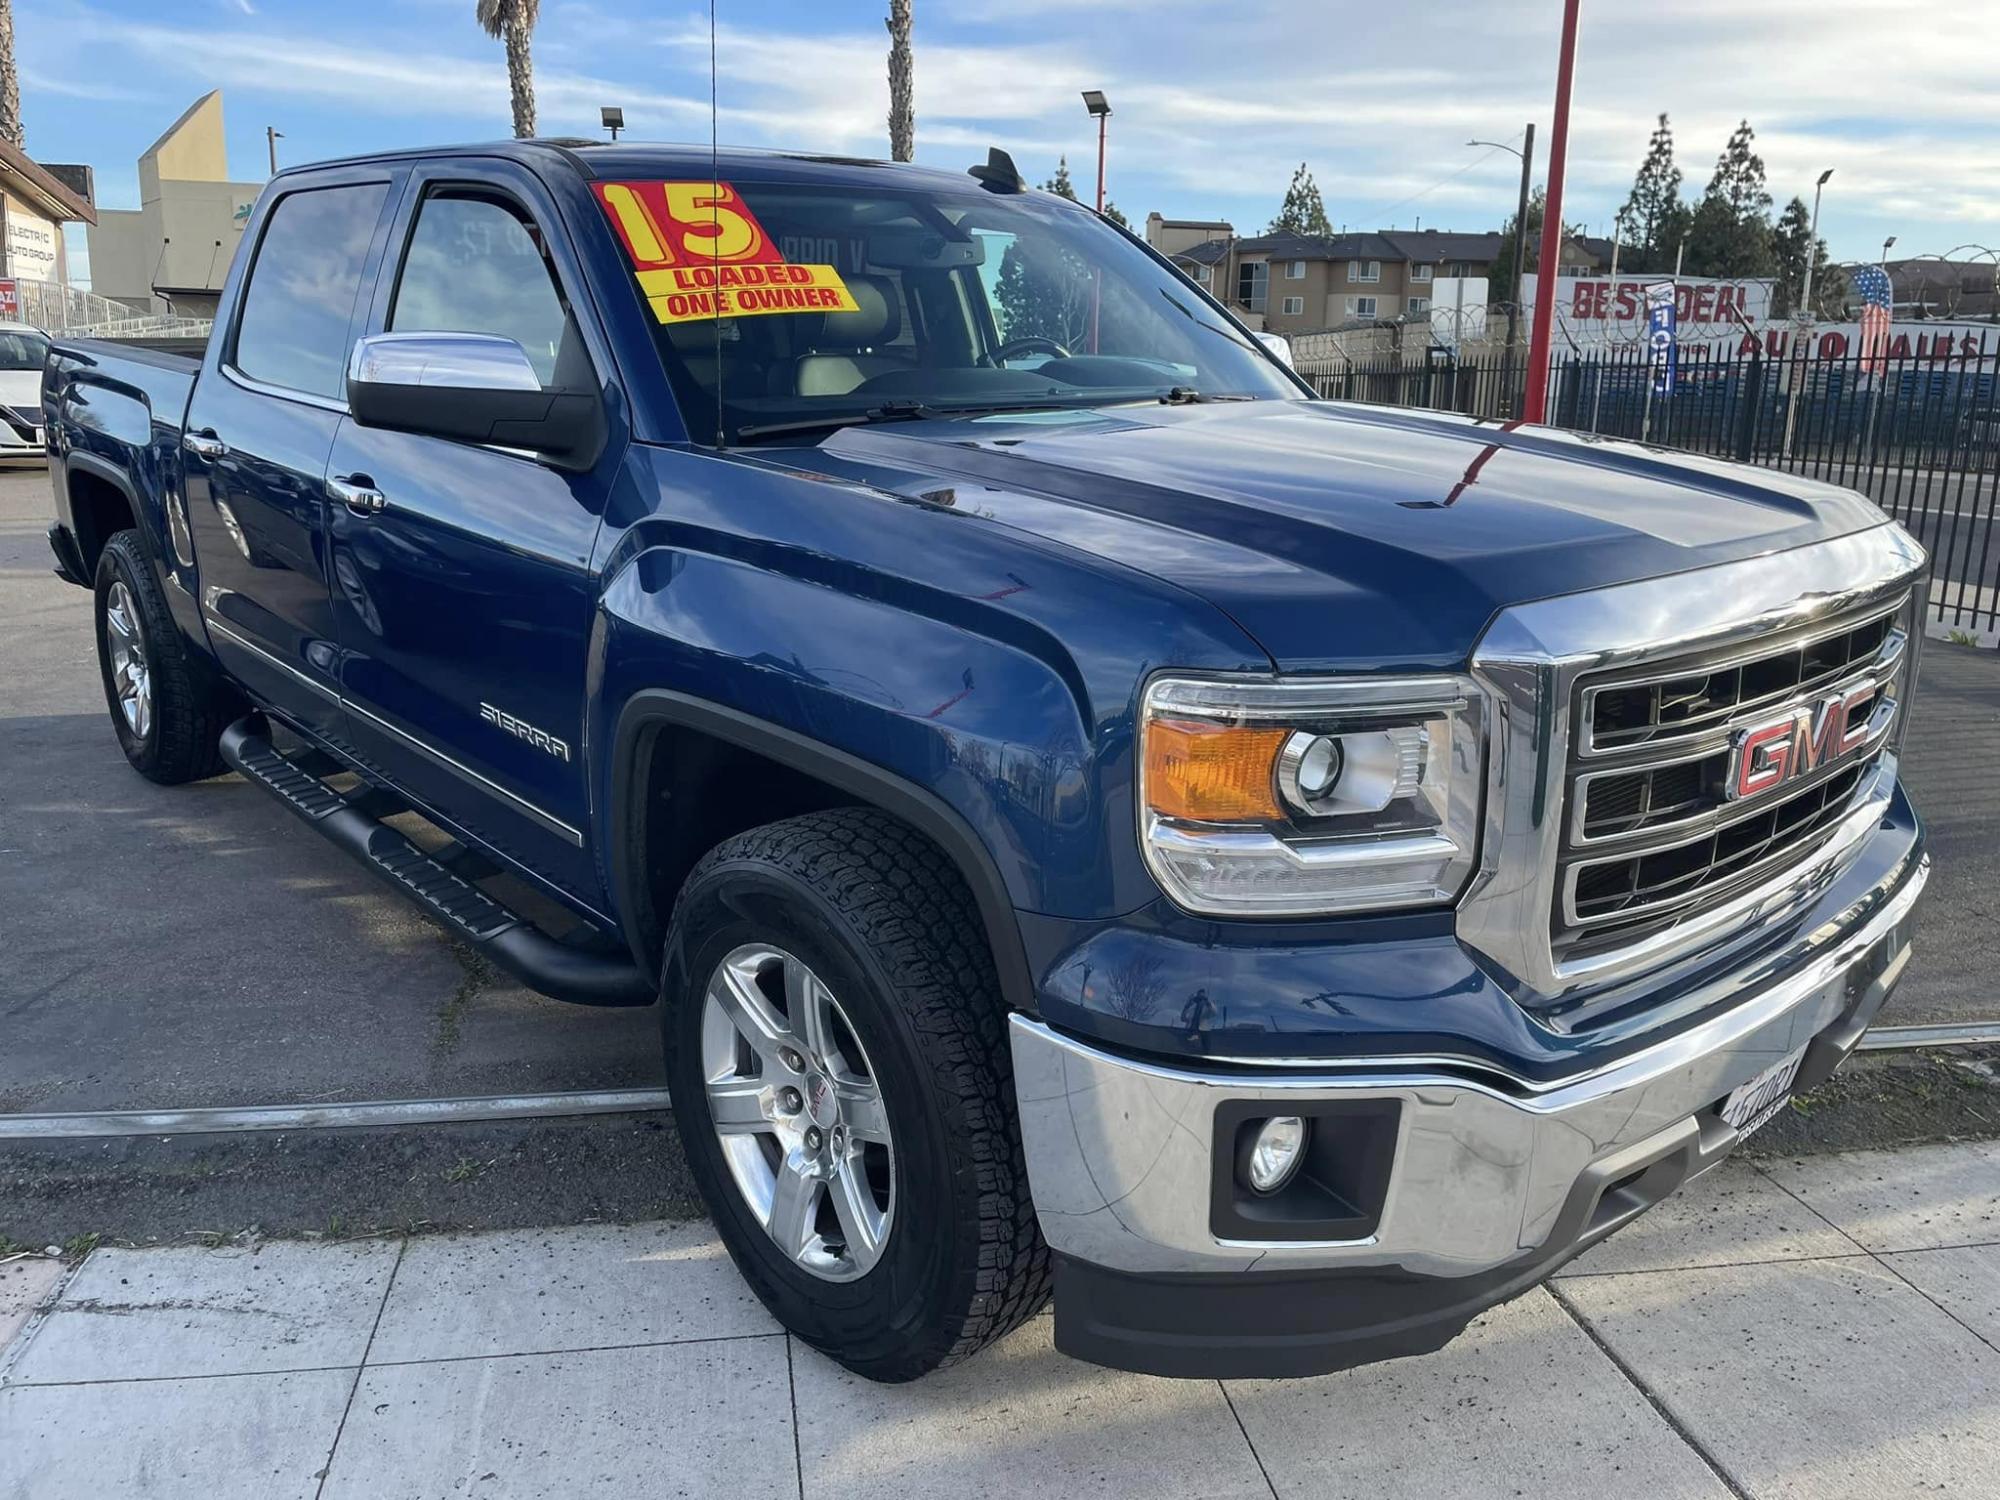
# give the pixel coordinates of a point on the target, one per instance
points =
(889, 411)
(1187, 395)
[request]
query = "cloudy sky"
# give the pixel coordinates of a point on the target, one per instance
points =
(1214, 104)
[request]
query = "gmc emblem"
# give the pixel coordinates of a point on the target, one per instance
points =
(1818, 734)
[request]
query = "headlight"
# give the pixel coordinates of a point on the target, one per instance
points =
(1277, 799)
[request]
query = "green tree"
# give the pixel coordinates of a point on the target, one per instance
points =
(1500, 276)
(513, 22)
(1793, 245)
(1111, 212)
(1730, 233)
(1303, 212)
(1653, 211)
(1060, 184)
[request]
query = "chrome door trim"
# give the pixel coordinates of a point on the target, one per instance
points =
(546, 820)
(1529, 661)
(273, 658)
(282, 392)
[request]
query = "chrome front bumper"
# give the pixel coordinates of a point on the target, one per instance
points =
(1487, 1170)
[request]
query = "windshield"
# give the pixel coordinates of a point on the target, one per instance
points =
(22, 350)
(788, 306)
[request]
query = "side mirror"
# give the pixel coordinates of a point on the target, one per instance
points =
(1279, 346)
(477, 388)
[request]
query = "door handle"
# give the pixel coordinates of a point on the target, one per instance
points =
(204, 444)
(359, 495)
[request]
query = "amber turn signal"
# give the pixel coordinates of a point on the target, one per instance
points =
(1212, 773)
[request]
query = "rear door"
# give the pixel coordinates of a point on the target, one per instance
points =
(259, 428)
(465, 603)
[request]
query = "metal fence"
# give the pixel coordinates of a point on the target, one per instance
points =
(1918, 433)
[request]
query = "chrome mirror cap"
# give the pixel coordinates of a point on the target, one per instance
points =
(451, 361)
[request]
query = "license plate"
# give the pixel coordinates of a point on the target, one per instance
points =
(1751, 1106)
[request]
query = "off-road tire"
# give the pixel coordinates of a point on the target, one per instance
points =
(886, 921)
(191, 704)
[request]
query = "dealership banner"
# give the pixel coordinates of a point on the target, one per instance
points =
(1599, 310)
(1660, 335)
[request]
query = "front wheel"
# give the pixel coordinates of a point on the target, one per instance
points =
(837, 1051)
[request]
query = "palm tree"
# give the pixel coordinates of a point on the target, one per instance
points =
(902, 111)
(512, 21)
(10, 80)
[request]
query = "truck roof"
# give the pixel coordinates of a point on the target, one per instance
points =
(668, 161)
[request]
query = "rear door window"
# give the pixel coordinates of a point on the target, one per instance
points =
(297, 308)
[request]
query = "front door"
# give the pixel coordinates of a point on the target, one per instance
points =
(259, 429)
(464, 597)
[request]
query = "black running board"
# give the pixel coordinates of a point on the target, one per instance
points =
(539, 961)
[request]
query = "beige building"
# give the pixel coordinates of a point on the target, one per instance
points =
(1169, 236)
(1294, 284)
(172, 253)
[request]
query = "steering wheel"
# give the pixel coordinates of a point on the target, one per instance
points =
(1032, 344)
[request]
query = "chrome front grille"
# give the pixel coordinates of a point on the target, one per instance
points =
(1651, 833)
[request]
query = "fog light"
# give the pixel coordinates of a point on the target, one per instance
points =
(1275, 1153)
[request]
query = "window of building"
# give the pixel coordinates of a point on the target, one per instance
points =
(300, 299)
(1422, 271)
(1417, 305)
(1253, 283)
(1361, 307)
(1459, 268)
(1295, 270)
(1364, 270)
(475, 266)
(1294, 306)
(1204, 274)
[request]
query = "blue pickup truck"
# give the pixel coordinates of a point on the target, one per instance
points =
(1096, 821)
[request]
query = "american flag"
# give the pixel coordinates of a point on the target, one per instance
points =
(1877, 301)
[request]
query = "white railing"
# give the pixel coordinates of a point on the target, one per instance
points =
(75, 313)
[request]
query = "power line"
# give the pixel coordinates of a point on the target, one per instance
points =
(1480, 160)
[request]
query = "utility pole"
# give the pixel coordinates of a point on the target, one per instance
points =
(1521, 231)
(273, 135)
(1802, 329)
(1549, 263)
(1100, 108)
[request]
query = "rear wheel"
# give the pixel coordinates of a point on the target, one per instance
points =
(837, 1052)
(167, 705)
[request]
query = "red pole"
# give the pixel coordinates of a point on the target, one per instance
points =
(1100, 159)
(1550, 259)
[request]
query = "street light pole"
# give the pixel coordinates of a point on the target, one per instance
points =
(273, 135)
(1527, 155)
(1803, 332)
(1535, 408)
(1098, 105)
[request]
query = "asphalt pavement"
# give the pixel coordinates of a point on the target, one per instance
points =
(193, 946)
(184, 947)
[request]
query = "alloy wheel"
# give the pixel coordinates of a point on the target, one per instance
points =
(131, 676)
(798, 1112)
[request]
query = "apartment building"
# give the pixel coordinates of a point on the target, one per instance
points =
(1307, 283)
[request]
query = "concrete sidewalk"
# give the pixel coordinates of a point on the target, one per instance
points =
(1826, 1327)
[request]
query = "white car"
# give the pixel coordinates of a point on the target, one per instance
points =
(23, 350)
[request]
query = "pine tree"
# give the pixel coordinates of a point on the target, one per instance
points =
(1654, 212)
(1793, 244)
(1060, 184)
(1111, 212)
(1303, 212)
(1730, 233)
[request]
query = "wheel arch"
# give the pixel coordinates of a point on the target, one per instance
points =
(847, 779)
(100, 495)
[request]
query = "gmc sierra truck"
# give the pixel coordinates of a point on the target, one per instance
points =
(1279, 876)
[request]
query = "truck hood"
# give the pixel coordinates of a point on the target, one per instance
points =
(1338, 535)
